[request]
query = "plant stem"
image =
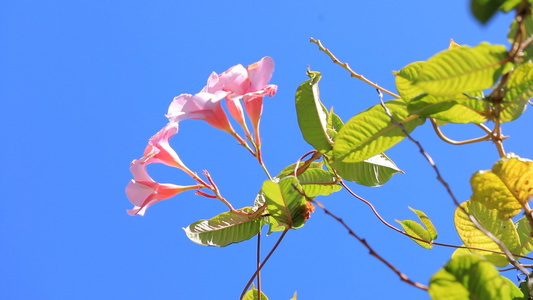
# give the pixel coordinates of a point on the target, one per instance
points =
(352, 72)
(441, 135)
(263, 263)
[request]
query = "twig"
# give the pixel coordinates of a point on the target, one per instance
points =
(263, 263)
(472, 218)
(259, 264)
(441, 135)
(347, 67)
(402, 276)
(418, 238)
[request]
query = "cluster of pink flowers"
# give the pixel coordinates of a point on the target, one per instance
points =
(249, 84)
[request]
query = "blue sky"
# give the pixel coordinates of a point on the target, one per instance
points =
(84, 84)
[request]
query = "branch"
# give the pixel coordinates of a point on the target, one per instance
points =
(441, 135)
(263, 263)
(476, 223)
(418, 238)
(347, 67)
(402, 276)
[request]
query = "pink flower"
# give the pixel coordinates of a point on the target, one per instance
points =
(158, 149)
(143, 191)
(204, 106)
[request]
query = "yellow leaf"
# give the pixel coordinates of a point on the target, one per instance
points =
(517, 174)
(504, 230)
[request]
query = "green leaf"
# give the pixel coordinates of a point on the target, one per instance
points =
(519, 91)
(372, 132)
(470, 277)
(524, 233)
(374, 171)
(285, 204)
(415, 229)
(504, 230)
(483, 10)
(506, 187)
(459, 109)
(224, 229)
(462, 70)
(253, 294)
(316, 182)
(508, 5)
(312, 115)
(334, 124)
(405, 78)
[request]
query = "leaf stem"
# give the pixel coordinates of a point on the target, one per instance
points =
(347, 67)
(441, 135)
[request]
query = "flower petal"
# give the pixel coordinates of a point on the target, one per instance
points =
(260, 73)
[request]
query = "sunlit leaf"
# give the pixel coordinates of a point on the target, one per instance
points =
(334, 124)
(415, 229)
(508, 5)
(462, 70)
(470, 277)
(293, 297)
(490, 190)
(405, 78)
(488, 218)
(457, 109)
(483, 10)
(312, 115)
(524, 233)
(519, 91)
(285, 204)
(372, 132)
(374, 171)
(316, 182)
(253, 294)
(224, 229)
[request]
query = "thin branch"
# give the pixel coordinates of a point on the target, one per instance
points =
(347, 67)
(402, 276)
(418, 238)
(259, 264)
(263, 263)
(454, 142)
(472, 218)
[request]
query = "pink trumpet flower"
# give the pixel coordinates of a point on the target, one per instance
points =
(203, 106)
(158, 149)
(143, 191)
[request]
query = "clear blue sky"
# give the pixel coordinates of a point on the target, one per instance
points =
(84, 84)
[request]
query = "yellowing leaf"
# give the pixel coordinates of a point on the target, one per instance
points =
(506, 188)
(517, 174)
(504, 230)
(490, 190)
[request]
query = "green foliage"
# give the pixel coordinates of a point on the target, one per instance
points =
(519, 91)
(285, 203)
(471, 277)
(253, 294)
(371, 132)
(374, 171)
(413, 228)
(226, 228)
(459, 70)
(312, 115)
(488, 218)
(483, 10)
